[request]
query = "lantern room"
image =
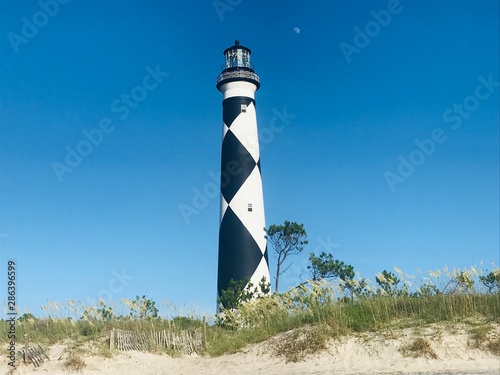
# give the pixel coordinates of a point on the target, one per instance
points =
(237, 56)
(237, 66)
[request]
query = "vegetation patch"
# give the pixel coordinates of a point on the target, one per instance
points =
(74, 363)
(480, 334)
(296, 345)
(484, 338)
(336, 301)
(418, 348)
(494, 346)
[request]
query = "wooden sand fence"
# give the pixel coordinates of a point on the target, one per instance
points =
(31, 354)
(179, 341)
(34, 355)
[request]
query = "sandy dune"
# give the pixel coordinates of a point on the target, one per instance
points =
(452, 352)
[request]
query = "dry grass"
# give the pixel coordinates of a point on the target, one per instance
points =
(296, 345)
(494, 346)
(484, 337)
(418, 348)
(105, 352)
(480, 333)
(453, 297)
(74, 363)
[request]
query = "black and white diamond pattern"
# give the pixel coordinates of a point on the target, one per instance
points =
(242, 243)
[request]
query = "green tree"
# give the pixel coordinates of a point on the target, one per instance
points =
(428, 289)
(325, 266)
(388, 282)
(234, 295)
(143, 308)
(105, 312)
(242, 291)
(461, 282)
(491, 281)
(287, 239)
(26, 317)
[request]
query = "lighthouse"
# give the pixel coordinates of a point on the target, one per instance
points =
(242, 243)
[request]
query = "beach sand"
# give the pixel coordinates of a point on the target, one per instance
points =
(452, 350)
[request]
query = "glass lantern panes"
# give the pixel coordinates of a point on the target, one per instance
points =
(237, 58)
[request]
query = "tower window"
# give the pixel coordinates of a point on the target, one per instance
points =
(250, 208)
(243, 108)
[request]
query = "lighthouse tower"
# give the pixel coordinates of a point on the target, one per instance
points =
(242, 243)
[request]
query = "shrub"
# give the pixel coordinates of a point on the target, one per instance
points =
(418, 348)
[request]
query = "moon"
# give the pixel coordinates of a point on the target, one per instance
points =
(297, 30)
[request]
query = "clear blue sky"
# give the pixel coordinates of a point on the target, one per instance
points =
(356, 118)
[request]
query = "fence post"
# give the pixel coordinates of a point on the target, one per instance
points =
(112, 340)
(26, 345)
(204, 337)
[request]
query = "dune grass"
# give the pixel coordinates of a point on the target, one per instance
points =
(342, 318)
(304, 318)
